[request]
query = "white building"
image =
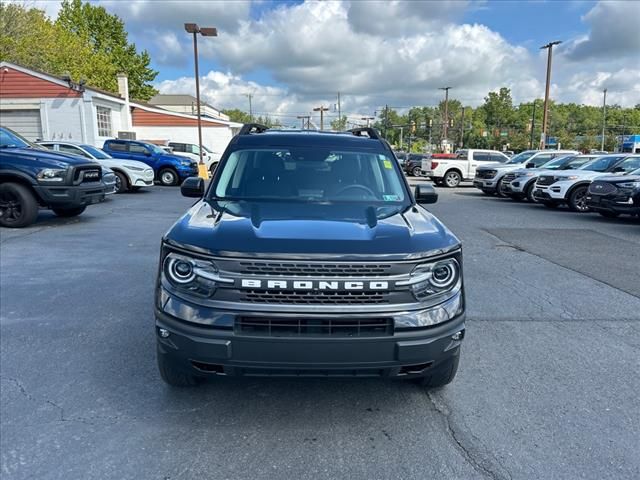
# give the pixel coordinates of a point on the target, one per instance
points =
(46, 107)
(186, 104)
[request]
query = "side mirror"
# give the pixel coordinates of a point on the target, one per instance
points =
(192, 187)
(426, 194)
(618, 169)
(530, 165)
(147, 153)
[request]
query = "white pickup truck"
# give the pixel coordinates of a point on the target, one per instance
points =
(450, 170)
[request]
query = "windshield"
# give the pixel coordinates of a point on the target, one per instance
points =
(521, 157)
(601, 164)
(10, 139)
(155, 148)
(312, 175)
(629, 165)
(96, 152)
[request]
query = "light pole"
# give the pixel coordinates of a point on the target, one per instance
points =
(205, 32)
(446, 110)
(533, 125)
(549, 47)
(604, 117)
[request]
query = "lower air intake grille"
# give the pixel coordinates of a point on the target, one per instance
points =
(284, 327)
(336, 297)
(602, 188)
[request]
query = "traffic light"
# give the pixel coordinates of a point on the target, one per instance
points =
(413, 127)
(451, 122)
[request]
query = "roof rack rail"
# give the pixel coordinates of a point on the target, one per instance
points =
(370, 131)
(248, 128)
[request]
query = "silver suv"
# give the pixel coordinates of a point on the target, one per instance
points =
(489, 178)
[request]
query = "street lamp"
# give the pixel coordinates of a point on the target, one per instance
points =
(205, 32)
(604, 117)
(549, 47)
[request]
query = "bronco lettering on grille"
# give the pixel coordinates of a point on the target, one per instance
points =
(312, 285)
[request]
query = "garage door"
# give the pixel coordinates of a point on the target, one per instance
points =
(25, 122)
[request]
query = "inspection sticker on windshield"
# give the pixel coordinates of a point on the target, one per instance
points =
(387, 164)
(391, 198)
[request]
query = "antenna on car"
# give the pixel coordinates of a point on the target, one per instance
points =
(249, 128)
(370, 131)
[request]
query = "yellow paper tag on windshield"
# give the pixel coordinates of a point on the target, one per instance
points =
(387, 164)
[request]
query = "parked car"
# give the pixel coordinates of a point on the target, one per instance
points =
(192, 150)
(109, 180)
(613, 195)
(169, 169)
(570, 186)
(402, 158)
(520, 183)
(130, 174)
(451, 171)
(489, 178)
(309, 255)
(413, 164)
(32, 177)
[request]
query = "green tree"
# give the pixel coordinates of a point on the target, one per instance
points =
(339, 124)
(106, 36)
(237, 115)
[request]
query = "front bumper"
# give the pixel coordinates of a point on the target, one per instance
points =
(185, 172)
(486, 184)
(142, 179)
(616, 204)
(555, 192)
(205, 350)
(71, 195)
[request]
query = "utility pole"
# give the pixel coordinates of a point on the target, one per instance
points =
(604, 117)
(401, 134)
(250, 109)
(386, 120)
(339, 112)
(533, 125)
(368, 119)
(446, 110)
(194, 29)
(303, 118)
(321, 109)
(462, 129)
(545, 111)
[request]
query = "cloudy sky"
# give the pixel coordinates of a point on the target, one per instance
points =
(292, 56)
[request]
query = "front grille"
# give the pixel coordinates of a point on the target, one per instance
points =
(284, 327)
(546, 180)
(602, 188)
(87, 175)
(334, 297)
(508, 178)
(486, 173)
(314, 269)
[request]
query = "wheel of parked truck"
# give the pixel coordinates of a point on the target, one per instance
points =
(168, 177)
(122, 183)
(452, 179)
(578, 200)
(173, 376)
(212, 168)
(69, 212)
(528, 191)
(499, 190)
(442, 374)
(416, 172)
(18, 206)
(609, 214)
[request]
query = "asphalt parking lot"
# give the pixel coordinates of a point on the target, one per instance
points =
(547, 387)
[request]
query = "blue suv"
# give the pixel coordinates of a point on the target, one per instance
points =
(169, 169)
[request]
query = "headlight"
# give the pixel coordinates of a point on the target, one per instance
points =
(570, 177)
(629, 185)
(52, 175)
(191, 275)
(529, 174)
(434, 278)
(135, 169)
(186, 163)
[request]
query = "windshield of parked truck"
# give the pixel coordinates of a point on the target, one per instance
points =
(521, 157)
(311, 175)
(10, 139)
(602, 164)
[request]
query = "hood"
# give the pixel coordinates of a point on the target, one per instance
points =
(171, 156)
(47, 158)
(586, 174)
(499, 166)
(618, 178)
(256, 229)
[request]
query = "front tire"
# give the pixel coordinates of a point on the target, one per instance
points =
(442, 375)
(499, 192)
(168, 177)
(578, 200)
(122, 183)
(529, 192)
(212, 168)
(69, 212)
(452, 179)
(18, 206)
(173, 376)
(416, 171)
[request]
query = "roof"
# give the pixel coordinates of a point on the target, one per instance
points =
(175, 99)
(309, 137)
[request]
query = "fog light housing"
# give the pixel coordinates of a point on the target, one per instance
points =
(458, 336)
(163, 333)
